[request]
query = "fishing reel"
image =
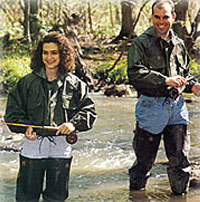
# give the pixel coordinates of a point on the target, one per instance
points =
(72, 138)
(173, 93)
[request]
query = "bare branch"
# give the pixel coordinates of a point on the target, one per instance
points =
(196, 35)
(22, 6)
(195, 24)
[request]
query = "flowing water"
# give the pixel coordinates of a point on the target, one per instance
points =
(102, 157)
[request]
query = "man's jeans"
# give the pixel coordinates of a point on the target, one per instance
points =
(153, 114)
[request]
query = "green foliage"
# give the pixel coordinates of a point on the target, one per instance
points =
(119, 74)
(194, 67)
(12, 69)
(103, 32)
(17, 48)
(116, 76)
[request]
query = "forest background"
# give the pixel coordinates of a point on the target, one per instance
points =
(100, 31)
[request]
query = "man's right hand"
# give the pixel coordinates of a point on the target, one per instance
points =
(176, 81)
(30, 134)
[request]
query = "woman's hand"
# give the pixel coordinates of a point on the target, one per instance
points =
(30, 134)
(65, 128)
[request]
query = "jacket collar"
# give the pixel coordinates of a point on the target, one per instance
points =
(152, 32)
(42, 74)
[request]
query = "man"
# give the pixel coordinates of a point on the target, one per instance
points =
(157, 65)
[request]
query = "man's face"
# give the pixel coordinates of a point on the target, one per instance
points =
(162, 19)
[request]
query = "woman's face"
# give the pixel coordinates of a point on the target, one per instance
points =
(50, 55)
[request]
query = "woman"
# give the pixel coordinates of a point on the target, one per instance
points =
(49, 96)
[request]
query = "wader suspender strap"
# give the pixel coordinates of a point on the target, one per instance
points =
(52, 105)
(52, 102)
(64, 99)
(180, 66)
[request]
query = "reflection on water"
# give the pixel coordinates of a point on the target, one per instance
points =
(102, 157)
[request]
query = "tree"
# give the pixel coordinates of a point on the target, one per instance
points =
(127, 19)
(189, 36)
(181, 8)
(31, 9)
(70, 30)
(101, 81)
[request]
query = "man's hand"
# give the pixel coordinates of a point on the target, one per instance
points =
(30, 134)
(176, 81)
(196, 89)
(65, 128)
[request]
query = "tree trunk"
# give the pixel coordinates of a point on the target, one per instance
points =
(81, 70)
(33, 18)
(31, 12)
(179, 27)
(127, 17)
(127, 20)
(27, 34)
(90, 17)
(117, 15)
(189, 37)
(111, 14)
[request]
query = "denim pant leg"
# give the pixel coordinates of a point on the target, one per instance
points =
(145, 146)
(177, 144)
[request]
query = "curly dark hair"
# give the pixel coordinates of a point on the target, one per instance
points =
(65, 50)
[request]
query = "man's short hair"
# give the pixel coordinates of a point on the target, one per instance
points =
(159, 4)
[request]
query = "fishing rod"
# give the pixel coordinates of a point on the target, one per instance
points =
(71, 138)
(193, 77)
(174, 92)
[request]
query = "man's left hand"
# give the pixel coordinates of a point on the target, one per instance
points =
(196, 89)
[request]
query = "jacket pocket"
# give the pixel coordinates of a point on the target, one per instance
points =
(69, 106)
(35, 110)
(157, 63)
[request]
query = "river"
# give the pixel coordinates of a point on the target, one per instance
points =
(102, 157)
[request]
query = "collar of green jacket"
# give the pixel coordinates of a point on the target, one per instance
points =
(42, 74)
(152, 32)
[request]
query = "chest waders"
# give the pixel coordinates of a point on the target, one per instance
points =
(32, 172)
(31, 177)
(176, 143)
